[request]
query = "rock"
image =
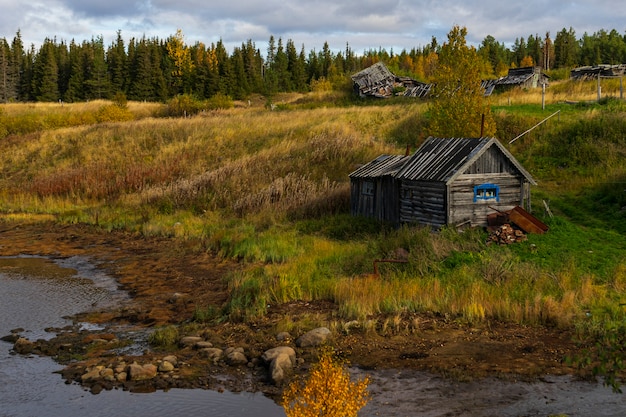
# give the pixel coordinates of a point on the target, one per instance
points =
(138, 372)
(92, 374)
(166, 366)
(271, 354)
(280, 368)
(314, 337)
(230, 350)
(96, 389)
(235, 356)
(283, 336)
(171, 359)
(203, 345)
(189, 341)
(107, 374)
(23, 346)
(213, 354)
(121, 377)
(11, 338)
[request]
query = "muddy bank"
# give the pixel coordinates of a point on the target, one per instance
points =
(169, 279)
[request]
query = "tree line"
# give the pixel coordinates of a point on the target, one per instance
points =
(153, 69)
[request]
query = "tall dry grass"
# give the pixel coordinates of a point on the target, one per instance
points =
(559, 92)
(270, 188)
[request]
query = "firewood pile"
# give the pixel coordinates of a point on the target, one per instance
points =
(505, 235)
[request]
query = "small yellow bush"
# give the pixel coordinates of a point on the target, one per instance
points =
(328, 391)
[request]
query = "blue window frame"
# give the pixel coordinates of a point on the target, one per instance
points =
(486, 191)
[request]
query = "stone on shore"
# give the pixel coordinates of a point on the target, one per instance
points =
(314, 337)
(235, 356)
(213, 354)
(281, 361)
(165, 366)
(190, 341)
(280, 368)
(92, 374)
(138, 372)
(23, 346)
(271, 354)
(171, 359)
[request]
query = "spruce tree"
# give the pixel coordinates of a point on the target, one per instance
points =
(45, 74)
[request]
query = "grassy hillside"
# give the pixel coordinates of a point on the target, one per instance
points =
(271, 189)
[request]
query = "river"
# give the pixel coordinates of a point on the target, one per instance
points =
(37, 293)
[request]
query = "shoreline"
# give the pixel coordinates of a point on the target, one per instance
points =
(168, 279)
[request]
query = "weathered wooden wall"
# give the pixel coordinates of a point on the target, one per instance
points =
(491, 162)
(423, 202)
(382, 205)
(463, 208)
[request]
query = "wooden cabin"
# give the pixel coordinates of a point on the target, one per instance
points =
(456, 181)
(524, 77)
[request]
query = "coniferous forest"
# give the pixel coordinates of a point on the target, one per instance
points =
(152, 69)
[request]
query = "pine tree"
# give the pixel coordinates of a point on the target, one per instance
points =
(458, 100)
(117, 66)
(566, 49)
(97, 84)
(296, 67)
(8, 90)
(140, 71)
(75, 89)
(45, 74)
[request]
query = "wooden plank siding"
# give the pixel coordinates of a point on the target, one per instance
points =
(491, 162)
(462, 206)
(423, 202)
(382, 204)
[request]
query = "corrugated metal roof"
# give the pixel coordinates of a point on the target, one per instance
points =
(439, 159)
(381, 166)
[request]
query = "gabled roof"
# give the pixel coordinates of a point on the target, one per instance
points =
(444, 159)
(381, 166)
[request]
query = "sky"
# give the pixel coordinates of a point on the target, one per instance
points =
(363, 24)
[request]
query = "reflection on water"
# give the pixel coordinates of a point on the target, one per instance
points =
(37, 293)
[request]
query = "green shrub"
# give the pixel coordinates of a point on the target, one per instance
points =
(113, 113)
(184, 105)
(219, 101)
(164, 337)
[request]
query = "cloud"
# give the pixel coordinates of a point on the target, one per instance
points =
(364, 24)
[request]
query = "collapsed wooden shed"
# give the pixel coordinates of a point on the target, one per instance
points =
(524, 77)
(377, 81)
(595, 71)
(446, 181)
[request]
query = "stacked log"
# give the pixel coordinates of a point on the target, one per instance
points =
(505, 235)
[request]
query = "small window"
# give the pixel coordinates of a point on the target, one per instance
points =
(486, 192)
(367, 188)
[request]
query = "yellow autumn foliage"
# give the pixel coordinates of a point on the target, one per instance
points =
(327, 391)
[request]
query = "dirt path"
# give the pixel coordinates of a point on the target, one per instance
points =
(168, 279)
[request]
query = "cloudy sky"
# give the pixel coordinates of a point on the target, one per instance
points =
(364, 24)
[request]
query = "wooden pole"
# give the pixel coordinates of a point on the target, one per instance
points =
(482, 125)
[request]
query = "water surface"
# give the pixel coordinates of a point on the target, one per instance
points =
(37, 293)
